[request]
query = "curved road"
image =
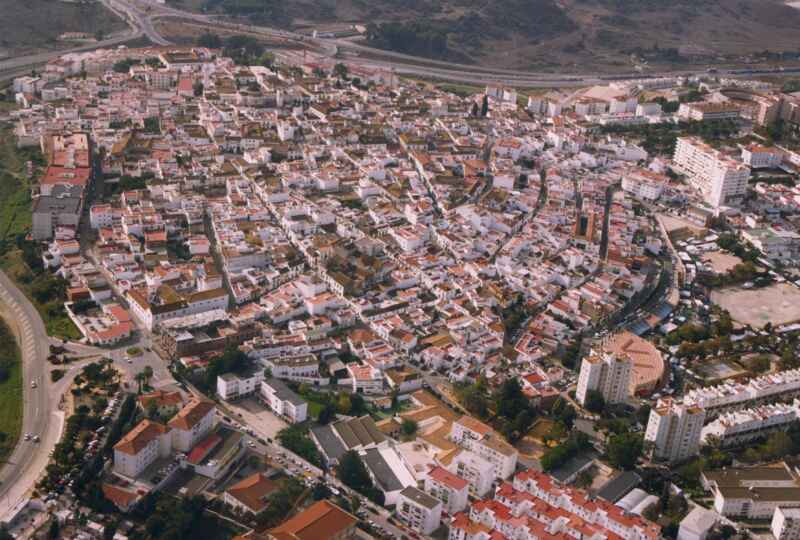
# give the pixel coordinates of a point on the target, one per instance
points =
(19, 474)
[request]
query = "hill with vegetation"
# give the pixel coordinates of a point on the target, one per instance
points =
(34, 25)
(537, 34)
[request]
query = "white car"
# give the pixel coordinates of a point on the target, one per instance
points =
(27, 436)
(33, 384)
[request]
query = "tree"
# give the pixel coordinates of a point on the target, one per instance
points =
(267, 60)
(510, 400)
(595, 402)
(485, 106)
(624, 450)
(209, 40)
(139, 378)
(327, 414)
(353, 473)
(643, 414)
(54, 529)
(343, 404)
(340, 70)
(148, 374)
(409, 428)
(198, 88)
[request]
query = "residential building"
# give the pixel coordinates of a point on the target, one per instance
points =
(720, 179)
(140, 447)
(607, 373)
(753, 492)
(449, 488)
(479, 438)
(740, 427)
(785, 523)
(232, 386)
(251, 493)
(419, 511)
(478, 472)
(323, 520)
(674, 430)
(283, 401)
(192, 423)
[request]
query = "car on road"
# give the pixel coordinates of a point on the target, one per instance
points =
(27, 436)
(33, 384)
(36, 438)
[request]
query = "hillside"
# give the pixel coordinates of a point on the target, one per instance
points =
(539, 34)
(32, 25)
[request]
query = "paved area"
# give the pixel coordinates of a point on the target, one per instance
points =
(776, 304)
(255, 415)
(721, 262)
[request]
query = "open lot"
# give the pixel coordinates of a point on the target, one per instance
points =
(776, 304)
(721, 262)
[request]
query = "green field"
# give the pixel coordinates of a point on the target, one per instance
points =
(15, 222)
(10, 392)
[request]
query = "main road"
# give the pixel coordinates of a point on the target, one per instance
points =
(27, 460)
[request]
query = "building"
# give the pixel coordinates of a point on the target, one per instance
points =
(143, 445)
(192, 423)
(334, 439)
(648, 367)
(785, 524)
(165, 403)
(480, 439)
(607, 373)
(697, 524)
(50, 212)
(720, 179)
(283, 401)
(323, 520)
(762, 157)
(775, 244)
(753, 492)
(644, 184)
(421, 512)
(732, 396)
(535, 506)
(739, 427)
(250, 494)
(449, 488)
(674, 430)
(702, 111)
(478, 472)
(232, 386)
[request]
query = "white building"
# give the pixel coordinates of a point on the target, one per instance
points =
(449, 488)
(421, 512)
(697, 524)
(702, 111)
(643, 184)
(721, 180)
(674, 430)
(734, 396)
(479, 438)
(775, 244)
(753, 492)
(143, 445)
(785, 524)
(283, 401)
(192, 423)
(738, 427)
(231, 386)
(478, 472)
(762, 157)
(609, 374)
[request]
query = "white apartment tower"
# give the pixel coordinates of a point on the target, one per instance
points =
(674, 430)
(720, 179)
(609, 374)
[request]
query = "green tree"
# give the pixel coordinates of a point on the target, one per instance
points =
(340, 70)
(485, 106)
(327, 414)
(352, 472)
(624, 450)
(594, 401)
(409, 428)
(510, 400)
(55, 530)
(343, 404)
(198, 88)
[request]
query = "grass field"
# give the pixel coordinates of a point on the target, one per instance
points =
(10, 392)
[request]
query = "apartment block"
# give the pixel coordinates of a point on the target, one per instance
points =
(449, 488)
(607, 373)
(418, 510)
(674, 430)
(719, 178)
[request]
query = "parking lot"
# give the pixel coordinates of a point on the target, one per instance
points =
(252, 413)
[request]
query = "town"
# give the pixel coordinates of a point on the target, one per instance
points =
(291, 298)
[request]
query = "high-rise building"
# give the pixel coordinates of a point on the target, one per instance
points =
(720, 179)
(674, 430)
(608, 373)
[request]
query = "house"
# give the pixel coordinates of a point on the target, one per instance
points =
(232, 386)
(250, 494)
(165, 403)
(333, 440)
(322, 520)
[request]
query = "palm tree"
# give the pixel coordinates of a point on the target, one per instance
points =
(140, 378)
(148, 374)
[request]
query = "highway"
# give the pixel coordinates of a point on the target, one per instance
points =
(29, 458)
(141, 16)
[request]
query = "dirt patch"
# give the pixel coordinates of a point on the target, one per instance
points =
(777, 304)
(721, 262)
